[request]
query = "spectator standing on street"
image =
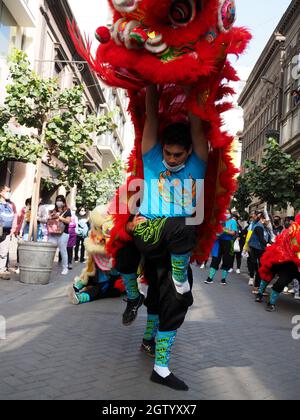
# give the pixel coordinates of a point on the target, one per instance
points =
(58, 229)
(277, 226)
(223, 250)
(246, 251)
(8, 225)
(257, 245)
(24, 231)
(23, 218)
(73, 226)
(287, 222)
(43, 215)
(82, 233)
(238, 246)
(24, 222)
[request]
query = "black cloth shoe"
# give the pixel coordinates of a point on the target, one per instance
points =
(270, 307)
(170, 381)
(148, 347)
(259, 298)
(131, 310)
(223, 282)
(209, 281)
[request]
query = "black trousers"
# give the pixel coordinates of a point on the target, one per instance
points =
(128, 259)
(163, 237)
(226, 254)
(156, 241)
(98, 291)
(251, 268)
(238, 257)
(286, 274)
(162, 298)
(79, 241)
(256, 255)
(70, 255)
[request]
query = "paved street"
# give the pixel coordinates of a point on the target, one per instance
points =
(228, 348)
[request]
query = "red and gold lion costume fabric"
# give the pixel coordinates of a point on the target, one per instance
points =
(285, 249)
(173, 43)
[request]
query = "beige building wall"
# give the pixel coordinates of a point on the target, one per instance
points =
(18, 19)
(22, 182)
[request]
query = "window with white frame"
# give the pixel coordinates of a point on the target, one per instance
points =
(8, 30)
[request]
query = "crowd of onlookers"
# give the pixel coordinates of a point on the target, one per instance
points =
(67, 229)
(249, 241)
(56, 223)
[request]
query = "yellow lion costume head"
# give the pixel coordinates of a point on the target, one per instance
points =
(101, 225)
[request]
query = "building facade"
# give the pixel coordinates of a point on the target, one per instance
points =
(39, 28)
(271, 97)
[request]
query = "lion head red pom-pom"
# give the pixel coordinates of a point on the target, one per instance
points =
(103, 35)
(298, 219)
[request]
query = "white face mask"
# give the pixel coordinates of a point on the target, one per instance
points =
(82, 213)
(59, 204)
(6, 195)
(174, 169)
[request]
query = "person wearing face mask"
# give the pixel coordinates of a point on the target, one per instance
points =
(258, 242)
(287, 222)
(44, 208)
(82, 233)
(174, 168)
(277, 226)
(73, 226)
(24, 220)
(223, 250)
(8, 225)
(58, 228)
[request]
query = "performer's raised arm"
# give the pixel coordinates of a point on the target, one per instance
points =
(150, 135)
(200, 143)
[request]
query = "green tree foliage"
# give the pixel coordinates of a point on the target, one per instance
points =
(58, 127)
(100, 187)
(242, 198)
(277, 180)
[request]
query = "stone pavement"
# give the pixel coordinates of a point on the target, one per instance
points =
(228, 348)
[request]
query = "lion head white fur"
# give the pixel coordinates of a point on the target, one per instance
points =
(101, 224)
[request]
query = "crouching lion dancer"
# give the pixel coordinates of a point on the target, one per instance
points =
(99, 279)
(282, 259)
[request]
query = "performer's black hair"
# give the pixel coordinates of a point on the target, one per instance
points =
(178, 134)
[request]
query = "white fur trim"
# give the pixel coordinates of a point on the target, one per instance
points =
(122, 5)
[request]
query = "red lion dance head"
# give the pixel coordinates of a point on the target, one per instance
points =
(285, 249)
(173, 43)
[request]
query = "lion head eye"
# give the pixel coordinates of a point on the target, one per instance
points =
(227, 15)
(183, 12)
